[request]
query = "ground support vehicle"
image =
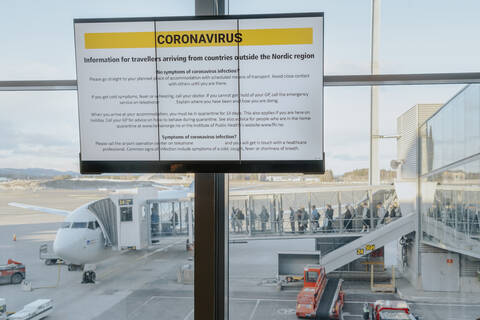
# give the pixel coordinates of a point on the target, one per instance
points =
(290, 265)
(320, 298)
(13, 272)
(388, 310)
(46, 254)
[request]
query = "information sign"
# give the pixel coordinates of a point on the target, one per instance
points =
(201, 94)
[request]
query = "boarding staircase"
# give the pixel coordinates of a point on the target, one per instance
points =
(439, 234)
(369, 242)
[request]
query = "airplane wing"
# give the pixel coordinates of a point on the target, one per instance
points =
(41, 209)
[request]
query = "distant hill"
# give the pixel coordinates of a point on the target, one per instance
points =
(34, 173)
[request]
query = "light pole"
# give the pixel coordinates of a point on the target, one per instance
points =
(374, 170)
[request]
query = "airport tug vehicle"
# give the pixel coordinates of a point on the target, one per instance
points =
(13, 272)
(320, 298)
(387, 310)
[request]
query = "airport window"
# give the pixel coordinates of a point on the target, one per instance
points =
(59, 61)
(274, 231)
(126, 214)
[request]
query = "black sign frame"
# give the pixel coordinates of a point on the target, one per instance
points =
(206, 166)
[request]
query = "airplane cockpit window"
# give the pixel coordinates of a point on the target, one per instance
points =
(97, 225)
(79, 225)
(65, 225)
(91, 225)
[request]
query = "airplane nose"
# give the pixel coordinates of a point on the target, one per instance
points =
(64, 247)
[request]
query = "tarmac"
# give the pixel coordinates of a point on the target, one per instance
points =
(143, 284)
(407, 292)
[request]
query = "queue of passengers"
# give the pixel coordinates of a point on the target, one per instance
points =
(301, 221)
(462, 217)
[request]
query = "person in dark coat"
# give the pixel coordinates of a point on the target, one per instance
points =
(315, 218)
(329, 217)
(304, 218)
(292, 219)
(299, 216)
(264, 218)
(240, 217)
(365, 212)
(347, 220)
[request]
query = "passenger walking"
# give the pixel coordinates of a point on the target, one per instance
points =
(233, 220)
(347, 220)
(381, 212)
(476, 221)
(280, 221)
(240, 217)
(304, 219)
(299, 217)
(315, 218)
(394, 211)
(450, 215)
(329, 217)
(292, 220)
(264, 218)
(365, 217)
(253, 218)
(472, 219)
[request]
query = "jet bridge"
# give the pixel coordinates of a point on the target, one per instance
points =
(138, 218)
(106, 213)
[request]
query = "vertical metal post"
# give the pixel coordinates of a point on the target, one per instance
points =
(190, 224)
(418, 205)
(211, 225)
(342, 220)
(374, 170)
(211, 246)
(180, 215)
(372, 207)
(310, 212)
(149, 222)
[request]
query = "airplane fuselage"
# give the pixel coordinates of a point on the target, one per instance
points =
(80, 240)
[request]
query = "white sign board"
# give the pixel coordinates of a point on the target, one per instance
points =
(233, 90)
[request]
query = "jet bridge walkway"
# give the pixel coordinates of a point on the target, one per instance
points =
(369, 242)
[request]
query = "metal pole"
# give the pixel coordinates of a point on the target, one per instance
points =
(329, 81)
(190, 224)
(211, 225)
(374, 170)
(211, 246)
(339, 202)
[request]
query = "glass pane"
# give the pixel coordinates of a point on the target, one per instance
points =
(349, 19)
(50, 32)
(137, 251)
(277, 254)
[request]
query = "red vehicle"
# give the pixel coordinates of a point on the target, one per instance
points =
(12, 272)
(388, 310)
(320, 298)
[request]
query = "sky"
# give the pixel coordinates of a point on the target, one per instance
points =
(40, 129)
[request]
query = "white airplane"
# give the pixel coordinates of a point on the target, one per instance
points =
(81, 239)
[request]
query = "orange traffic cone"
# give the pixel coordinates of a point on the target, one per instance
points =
(14, 237)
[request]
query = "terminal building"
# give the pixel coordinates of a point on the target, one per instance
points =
(439, 154)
